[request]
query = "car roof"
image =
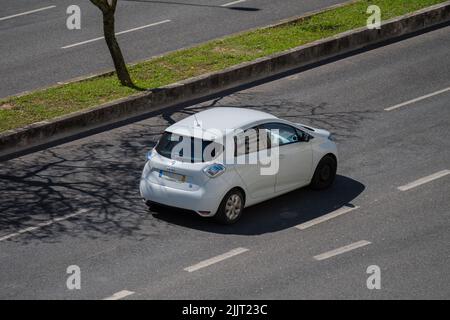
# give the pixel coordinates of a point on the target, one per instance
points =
(221, 118)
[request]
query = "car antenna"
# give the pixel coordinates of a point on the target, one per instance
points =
(198, 123)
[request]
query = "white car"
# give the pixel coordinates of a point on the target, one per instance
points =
(219, 161)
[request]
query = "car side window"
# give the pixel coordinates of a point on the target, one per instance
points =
(263, 138)
(281, 134)
(303, 136)
(252, 140)
(246, 142)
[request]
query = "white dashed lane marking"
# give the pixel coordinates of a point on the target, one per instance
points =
(26, 13)
(329, 216)
(232, 3)
(216, 259)
(41, 225)
(417, 99)
(117, 34)
(424, 180)
(341, 250)
(120, 295)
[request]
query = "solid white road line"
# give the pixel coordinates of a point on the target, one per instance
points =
(211, 261)
(25, 13)
(417, 99)
(120, 295)
(426, 179)
(334, 214)
(41, 225)
(117, 34)
(232, 3)
(341, 250)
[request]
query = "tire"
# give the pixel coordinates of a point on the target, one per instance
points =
(231, 207)
(325, 173)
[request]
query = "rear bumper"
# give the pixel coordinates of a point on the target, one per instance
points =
(195, 200)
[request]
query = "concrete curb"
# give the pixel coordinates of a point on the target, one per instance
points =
(18, 140)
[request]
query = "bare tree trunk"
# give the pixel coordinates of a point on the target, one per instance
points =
(114, 49)
(108, 8)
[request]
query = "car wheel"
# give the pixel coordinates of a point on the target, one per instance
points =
(325, 173)
(231, 207)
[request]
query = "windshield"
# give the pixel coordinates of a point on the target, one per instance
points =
(189, 149)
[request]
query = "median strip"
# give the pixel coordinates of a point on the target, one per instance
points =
(181, 76)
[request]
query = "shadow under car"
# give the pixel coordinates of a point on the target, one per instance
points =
(276, 214)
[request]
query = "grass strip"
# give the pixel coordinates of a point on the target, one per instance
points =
(211, 56)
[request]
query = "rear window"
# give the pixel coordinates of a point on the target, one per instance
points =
(187, 149)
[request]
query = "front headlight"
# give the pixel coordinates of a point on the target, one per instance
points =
(214, 170)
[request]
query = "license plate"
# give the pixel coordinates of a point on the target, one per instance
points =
(172, 176)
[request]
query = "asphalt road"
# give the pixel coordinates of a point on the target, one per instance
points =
(119, 245)
(33, 45)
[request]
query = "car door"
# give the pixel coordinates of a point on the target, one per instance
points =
(295, 156)
(248, 152)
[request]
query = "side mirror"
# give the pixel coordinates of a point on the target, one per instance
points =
(306, 137)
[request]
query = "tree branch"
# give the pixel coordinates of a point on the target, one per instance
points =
(113, 5)
(103, 5)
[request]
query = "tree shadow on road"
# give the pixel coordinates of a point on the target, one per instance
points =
(100, 177)
(101, 173)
